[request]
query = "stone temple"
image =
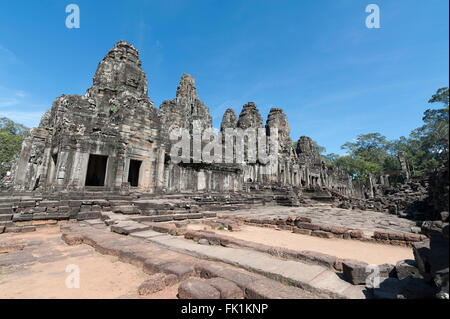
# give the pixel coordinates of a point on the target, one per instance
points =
(99, 170)
(113, 136)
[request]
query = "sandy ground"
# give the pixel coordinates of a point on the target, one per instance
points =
(43, 273)
(352, 249)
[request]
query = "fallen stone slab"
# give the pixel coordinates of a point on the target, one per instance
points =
(227, 289)
(387, 270)
(180, 270)
(407, 268)
(321, 234)
(197, 289)
(154, 265)
(154, 284)
(355, 272)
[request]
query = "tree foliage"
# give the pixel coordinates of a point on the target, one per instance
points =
(425, 149)
(11, 137)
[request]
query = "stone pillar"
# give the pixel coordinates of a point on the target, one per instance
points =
(160, 169)
(404, 165)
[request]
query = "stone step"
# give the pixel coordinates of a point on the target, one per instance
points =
(134, 249)
(314, 278)
(173, 217)
(125, 209)
(6, 210)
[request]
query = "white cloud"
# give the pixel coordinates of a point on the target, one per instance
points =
(7, 102)
(7, 57)
(29, 119)
(20, 94)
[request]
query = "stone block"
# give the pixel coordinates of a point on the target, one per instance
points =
(355, 271)
(380, 235)
(227, 289)
(88, 215)
(321, 234)
(154, 284)
(356, 234)
(6, 210)
(302, 219)
(302, 231)
(180, 270)
(154, 265)
(308, 226)
(407, 268)
(6, 217)
(197, 289)
(396, 236)
(387, 270)
(413, 237)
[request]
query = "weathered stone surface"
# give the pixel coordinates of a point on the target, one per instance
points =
(229, 120)
(355, 271)
(270, 289)
(321, 234)
(250, 117)
(227, 289)
(180, 270)
(302, 219)
(387, 270)
(302, 231)
(308, 226)
(277, 121)
(154, 284)
(407, 268)
(197, 289)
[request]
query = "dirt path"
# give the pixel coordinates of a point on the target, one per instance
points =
(39, 270)
(352, 249)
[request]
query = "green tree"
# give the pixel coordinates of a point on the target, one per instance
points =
(370, 147)
(11, 137)
(425, 149)
(427, 146)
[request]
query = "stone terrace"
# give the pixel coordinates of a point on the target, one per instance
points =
(367, 221)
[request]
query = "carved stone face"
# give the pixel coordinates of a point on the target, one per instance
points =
(132, 76)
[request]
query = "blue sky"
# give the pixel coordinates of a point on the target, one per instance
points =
(333, 77)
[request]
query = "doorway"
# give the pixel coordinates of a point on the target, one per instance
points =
(96, 171)
(133, 173)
